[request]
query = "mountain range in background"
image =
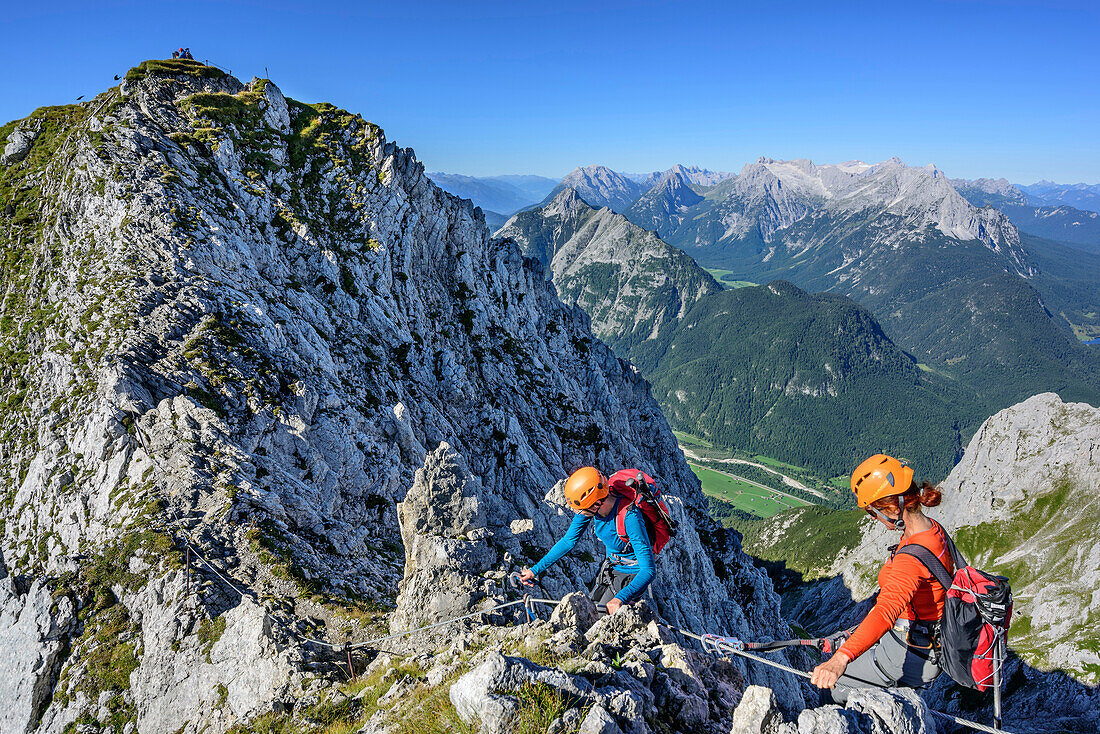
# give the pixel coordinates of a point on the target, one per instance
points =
(1048, 193)
(1054, 216)
(1068, 213)
(963, 314)
(767, 369)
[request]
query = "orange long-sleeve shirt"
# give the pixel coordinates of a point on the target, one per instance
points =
(907, 590)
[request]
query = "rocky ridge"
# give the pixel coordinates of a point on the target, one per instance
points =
(771, 195)
(600, 186)
(989, 192)
(261, 328)
(691, 174)
(629, 282)
(665, 205)
(1048, 193)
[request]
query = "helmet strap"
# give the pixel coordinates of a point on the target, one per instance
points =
(898, 524)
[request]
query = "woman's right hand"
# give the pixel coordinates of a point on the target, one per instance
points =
(828, 673)
(526, 576)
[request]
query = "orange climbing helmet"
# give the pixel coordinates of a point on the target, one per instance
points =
(585, 487)
(880, 476)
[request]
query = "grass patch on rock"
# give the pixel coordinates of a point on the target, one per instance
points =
(174, 67)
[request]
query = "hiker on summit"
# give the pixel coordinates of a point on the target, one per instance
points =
(627, 515)
(896, 644)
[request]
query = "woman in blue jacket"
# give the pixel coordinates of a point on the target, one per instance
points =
(629, 566)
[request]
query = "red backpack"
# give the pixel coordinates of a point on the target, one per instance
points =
(976, 615)
(639, 490)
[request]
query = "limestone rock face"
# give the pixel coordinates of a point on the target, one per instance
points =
(33, 631)
(576, 610)
(264, 329)
(758, 714)
(446, 543)
(246, 662)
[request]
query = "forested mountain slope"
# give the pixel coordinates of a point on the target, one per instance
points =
(952, 284)
(810, 378)
(807, 379)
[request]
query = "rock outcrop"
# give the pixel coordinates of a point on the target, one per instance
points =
(261, 329)
(33, 641)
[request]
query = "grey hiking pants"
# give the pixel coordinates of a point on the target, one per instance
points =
(890, 663)
(608, 582)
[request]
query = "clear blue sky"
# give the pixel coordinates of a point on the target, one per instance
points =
(978, 88)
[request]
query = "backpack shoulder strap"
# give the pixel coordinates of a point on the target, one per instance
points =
(930, 561)
(956, 556)
(620, 518)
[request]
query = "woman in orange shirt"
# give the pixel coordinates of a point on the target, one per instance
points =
(894, 644)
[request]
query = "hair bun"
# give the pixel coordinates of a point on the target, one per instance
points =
(930, 496)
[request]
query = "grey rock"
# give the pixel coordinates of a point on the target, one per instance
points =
(626, 627)
(896, 711)
(758, 713)
(831, 720)
(599, 721)
(479, 688)
(32, 640)
(20, 141)
(442, 570)
(576, 610)
(180, 675)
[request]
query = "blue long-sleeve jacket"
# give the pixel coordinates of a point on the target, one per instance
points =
(637, 558)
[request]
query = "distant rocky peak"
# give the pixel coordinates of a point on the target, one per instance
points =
(566, 203)
(600, 186)
(691, 174)
(593, 173)
(673, 179)
(922, 195)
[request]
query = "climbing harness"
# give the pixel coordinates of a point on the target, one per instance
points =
(713, 644)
